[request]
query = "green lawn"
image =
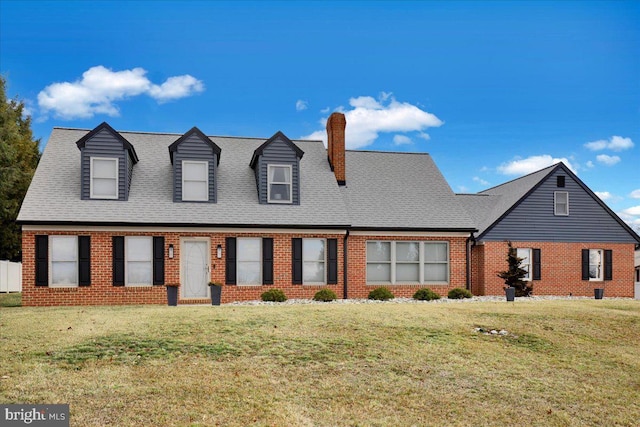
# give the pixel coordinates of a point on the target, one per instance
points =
(11, 300)
(563, 363)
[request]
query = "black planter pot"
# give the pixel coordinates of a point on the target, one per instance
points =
(216, 293)
(510, 293)
(172, 295)
(598, 293)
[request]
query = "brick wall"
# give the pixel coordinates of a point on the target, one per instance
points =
(102, 292)
(357, 266)
(561, 268)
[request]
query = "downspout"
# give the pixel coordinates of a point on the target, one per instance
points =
(470, 243)
(344, 264)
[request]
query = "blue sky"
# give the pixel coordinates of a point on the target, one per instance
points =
(492, 90)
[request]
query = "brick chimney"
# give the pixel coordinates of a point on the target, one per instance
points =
(336, 125)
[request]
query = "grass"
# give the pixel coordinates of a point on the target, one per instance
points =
(11, 300)
(563, 363)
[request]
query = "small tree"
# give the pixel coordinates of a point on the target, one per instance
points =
(514, 275)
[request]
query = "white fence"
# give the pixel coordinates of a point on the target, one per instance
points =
(10, 276)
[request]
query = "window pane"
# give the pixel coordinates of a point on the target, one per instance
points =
(195, 190)
(378, 272)
(313, 272)
(407, 273)
(64, 248)
(279, 192)
(524, 254)
(249, 273)
(279, 174)
(313, 249)
(407, 251)
(104, 187)
(561, 197)
(249, 250)
(138, 248)
(104, 168)
(595, 263)
(435, 272)
(139, 273)
(378, 251)
(194, 171)
(435, 252)
(64, 273)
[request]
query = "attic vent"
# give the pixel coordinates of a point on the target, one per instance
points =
(560, 181)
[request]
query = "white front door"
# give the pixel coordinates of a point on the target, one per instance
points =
(195, 268)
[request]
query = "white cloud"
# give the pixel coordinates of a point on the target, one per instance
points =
(604, 195)
(325, 110)
(615, 143)
(532, 164)
(401, 140)
(369, 117)
(635, 194)
(480, 180)
(607, 160)
(301, 105)
(633, 220)
(590, 164)
(463, 189)
(99, 88)
(632, 211)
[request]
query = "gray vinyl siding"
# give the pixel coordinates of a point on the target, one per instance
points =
(278, 153)
(193, 148)
(104, 144)
(534, 219)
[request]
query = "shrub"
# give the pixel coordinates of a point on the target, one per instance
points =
(459, 293)
(325, 295)
(381, 294)
(425, 294)
(275, 295)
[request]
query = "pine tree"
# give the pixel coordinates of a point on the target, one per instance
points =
(19, 157)
(514, 275)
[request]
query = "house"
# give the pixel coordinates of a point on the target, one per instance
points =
(570, 241)
(111, 217)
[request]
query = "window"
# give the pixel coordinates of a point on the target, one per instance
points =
(525, 254)
(279, 184)
(104, 178)
(561, 203)
(595, 264)
(64, 260)
(139, 260)
(249, 261)
(313, 261)
(195, 181)
(638, 275)
(407, 262)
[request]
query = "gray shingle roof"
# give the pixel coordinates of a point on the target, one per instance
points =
(54, 194)
(400, 190)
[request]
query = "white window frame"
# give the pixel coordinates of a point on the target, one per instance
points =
(51, 262)
(269, 183)
(600, 276)
(185, 164)
(323, 262)
(127, 261)
(528, 265)
(239, 261)
(91, 178)
(555, 203)
(423, 262)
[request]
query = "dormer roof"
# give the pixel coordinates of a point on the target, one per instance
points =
(277, 136)
(197, 132)
(105, 126)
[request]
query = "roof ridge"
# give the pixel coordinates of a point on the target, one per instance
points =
(522, 177)
(388, 152)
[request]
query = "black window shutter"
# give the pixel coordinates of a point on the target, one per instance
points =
(585, 264)
(84, 260)
(267, 261)
(296, 259)
(118, 260)
(537, 271)
(158, 260)
(332, 258)
(230, 251)
(608, 264)
(42, 260)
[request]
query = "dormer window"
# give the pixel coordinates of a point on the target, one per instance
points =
(279, 185)
(195, 181)
(104, 178)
